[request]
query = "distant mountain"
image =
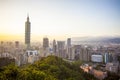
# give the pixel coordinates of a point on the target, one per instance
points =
(96, 39)
(114, 40)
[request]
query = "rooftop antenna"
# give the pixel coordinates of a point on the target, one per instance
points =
(27, 16)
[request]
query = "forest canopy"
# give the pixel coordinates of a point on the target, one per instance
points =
(48, 68)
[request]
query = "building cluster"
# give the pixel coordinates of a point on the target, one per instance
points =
(97, 73)
(65, 49)
(11, 50)
(103, 59)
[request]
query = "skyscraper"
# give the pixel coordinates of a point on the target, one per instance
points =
(27, 32)
(54, 47)
(45, 46)
(69, 48)
(69, 42)
(61, 49)
(45, 42)
(77, 52)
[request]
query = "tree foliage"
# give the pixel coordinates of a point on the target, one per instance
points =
(112, 76)
(49, 68)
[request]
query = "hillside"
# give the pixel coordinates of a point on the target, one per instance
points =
(49, 68)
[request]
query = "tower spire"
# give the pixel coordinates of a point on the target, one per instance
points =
(27, 16)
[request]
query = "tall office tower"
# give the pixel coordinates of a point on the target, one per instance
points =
(78, 52)
(54, 47)
(61, 49)
(69, 48)
(45, 46)
(69, 42)
(45, 42)
(27, 32)
(85, 54)
(106, 55)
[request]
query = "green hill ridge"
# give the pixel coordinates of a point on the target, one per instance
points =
(48, 68)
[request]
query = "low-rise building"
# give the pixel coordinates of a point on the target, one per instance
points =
(97, 58)
(112, 67)
(32, 56)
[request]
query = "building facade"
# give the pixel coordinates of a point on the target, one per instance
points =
(45, 42)
(54, 47)
(69, 48)
(61, 49)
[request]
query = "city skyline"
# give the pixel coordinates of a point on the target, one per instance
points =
(59, 19)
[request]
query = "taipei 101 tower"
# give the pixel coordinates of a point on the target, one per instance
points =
(27, 32)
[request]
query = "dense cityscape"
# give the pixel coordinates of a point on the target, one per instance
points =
(59, 39)
(97, 59)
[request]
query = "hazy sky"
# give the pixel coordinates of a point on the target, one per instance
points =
(59, 18)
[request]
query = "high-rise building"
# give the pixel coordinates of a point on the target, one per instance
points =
(45, 42)
(54, 47)
(45, 46)
(27, 32)
(80, 53)
(69, 42)
(106, 56)
(77, 52)
(85, 54)
(69, 48)
(61, 49)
